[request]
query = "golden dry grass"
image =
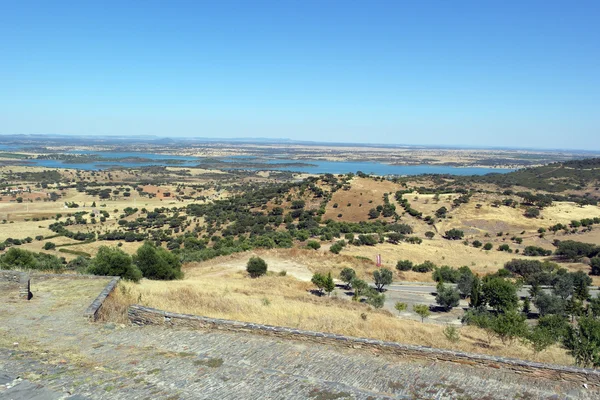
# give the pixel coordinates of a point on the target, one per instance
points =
(362, 191)
(285, 301)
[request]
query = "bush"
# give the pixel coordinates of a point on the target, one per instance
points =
(111, 261)
(477, 243)
(382, 277)
(404, 265)
(24, 259)
(488, 246)
(313, 244)
(256, 267)
(500, 294)
(49, 246)
(445, 274)
(400, 307)
(375, 299)
(583, 342)
(427, 266)
(508, 326)
(574, 251)
(532, 212)
(451, 333)
(454, 234)
(347, 275)
(595, 264)
(447, 297)
(422, 311)
(504, 247)
(157, 263)
(323, 282)
(535, 251)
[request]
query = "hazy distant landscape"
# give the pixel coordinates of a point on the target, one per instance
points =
(305, 200)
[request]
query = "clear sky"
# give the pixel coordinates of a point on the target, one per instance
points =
(482, 73)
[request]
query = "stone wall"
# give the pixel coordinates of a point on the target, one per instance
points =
(18, 278)
(92, 311)
(148, 316)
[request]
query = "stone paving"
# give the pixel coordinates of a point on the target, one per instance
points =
(48, 342)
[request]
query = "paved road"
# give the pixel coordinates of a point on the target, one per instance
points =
(46, 341)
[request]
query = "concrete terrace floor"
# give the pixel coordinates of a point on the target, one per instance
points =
(47, 341)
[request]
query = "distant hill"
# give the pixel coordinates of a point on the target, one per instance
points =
(555, 177)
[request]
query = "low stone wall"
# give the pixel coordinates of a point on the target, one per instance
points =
(91, 312)
(19, 278)
(149, 316)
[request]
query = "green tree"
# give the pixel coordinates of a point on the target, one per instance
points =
(476, 296)
(313, 244)
(400, 307)
(583, 342)
(447, 297)
(382, 277)
(508, 326)
(347, 275)
(532, 212)
(318, 280)
(595, 264)
(500, 294)
(113, 261)
(256, 267)
(49, 246)
(422, 311)
(454, 234)
(465, 282)
(404, 265)
(360, 287)
(157, 263)
(548, 303)
(328, 284)
(375, 299)
(488, 246)
(373, 213)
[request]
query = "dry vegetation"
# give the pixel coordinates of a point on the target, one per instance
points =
(286, 301)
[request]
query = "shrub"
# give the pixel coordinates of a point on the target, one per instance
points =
(532, 212)
(426, 266)
(595, 264)
(500, 294)
(375, 299)
(454, 234)
(583, 342)
(382, 277)
(488, 246)
(49, 246)
(400, 307)
(536, 251)
(313, 244)
(157, 263)
(404, 265)
(504, 247)
(451, 333)
(256, 267)
(445, 274)
(508, 326)
(112, 261)
(477, 243)
(347, 275)
(447, 297)
(323, 282)
(422, 311)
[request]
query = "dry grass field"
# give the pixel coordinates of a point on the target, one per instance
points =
(354, 204)
(286, 301)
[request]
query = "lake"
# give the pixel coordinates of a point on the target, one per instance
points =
(320, 167)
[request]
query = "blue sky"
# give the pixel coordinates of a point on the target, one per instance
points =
(481, 73)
